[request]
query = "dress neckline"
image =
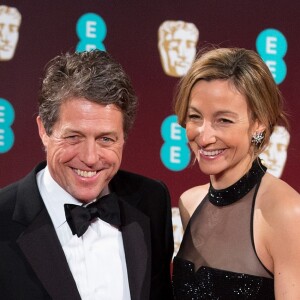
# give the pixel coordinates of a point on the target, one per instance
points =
(240, 188)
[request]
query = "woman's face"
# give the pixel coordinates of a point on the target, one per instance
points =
(219, 130)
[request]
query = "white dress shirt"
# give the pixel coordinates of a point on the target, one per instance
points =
(97, 258)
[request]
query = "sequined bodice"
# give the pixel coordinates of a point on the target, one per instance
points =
(217, 257)
(215, 284)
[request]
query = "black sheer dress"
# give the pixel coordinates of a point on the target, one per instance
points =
(217, 257)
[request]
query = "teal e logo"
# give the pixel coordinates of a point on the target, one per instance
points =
(174, 153)
(271, 45)
(91, 31)
(7, 116)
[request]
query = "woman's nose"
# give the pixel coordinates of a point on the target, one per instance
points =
(206, 134)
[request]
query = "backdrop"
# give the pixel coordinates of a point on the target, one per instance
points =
(155, 41)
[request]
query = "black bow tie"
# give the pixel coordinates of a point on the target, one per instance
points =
(80, 217)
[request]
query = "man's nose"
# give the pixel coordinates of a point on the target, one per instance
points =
(89, 153)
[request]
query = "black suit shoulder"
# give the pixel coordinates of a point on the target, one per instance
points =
(146, 194)
(136, 180)
(130, 184)
(7, 195)
(25, 184)
(17, 198)
(7, 206)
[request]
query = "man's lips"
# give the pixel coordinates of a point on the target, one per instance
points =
(85, 174)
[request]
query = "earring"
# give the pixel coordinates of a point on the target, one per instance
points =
(257, 138)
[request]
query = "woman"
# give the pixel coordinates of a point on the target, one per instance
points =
(242, 230)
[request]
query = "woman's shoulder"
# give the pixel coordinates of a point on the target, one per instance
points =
(278, 201)
(194, 193)
(278, 192)
(190, 200)
(278, 212)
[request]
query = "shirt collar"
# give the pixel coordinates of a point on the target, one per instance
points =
(54, 197)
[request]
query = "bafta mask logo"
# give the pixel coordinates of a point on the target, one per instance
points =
(275, 155)
(10, 21)
(177, 229)
(177, 46)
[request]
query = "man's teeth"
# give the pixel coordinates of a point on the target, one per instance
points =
(85, 173)
(210, 153)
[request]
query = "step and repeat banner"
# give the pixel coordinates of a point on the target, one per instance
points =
(156, 42)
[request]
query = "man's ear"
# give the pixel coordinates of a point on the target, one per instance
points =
(42, 132)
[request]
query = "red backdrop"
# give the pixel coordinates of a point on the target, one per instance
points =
(49, 28)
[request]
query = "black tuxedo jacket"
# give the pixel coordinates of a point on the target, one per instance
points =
(33, 264)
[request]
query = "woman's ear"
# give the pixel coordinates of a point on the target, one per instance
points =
(258, 128)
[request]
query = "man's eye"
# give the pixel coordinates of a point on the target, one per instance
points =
(72, 138)
(106, 139)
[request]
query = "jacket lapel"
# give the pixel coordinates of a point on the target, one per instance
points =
(40, 244)
(137, 246)
(136, 233)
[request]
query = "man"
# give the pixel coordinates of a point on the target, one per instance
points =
(86, 108)
(177, 46)
(275, 155)
(10, 21)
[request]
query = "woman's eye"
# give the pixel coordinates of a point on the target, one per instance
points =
(224, 120)
(193, 117)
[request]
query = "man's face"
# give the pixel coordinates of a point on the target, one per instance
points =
(85, 148)
(275, 155)
(9, 35)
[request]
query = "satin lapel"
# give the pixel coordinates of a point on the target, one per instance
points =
(137, 245)
(43, 251)
(39, 241)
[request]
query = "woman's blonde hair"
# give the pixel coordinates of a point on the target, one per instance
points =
(250, 76)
